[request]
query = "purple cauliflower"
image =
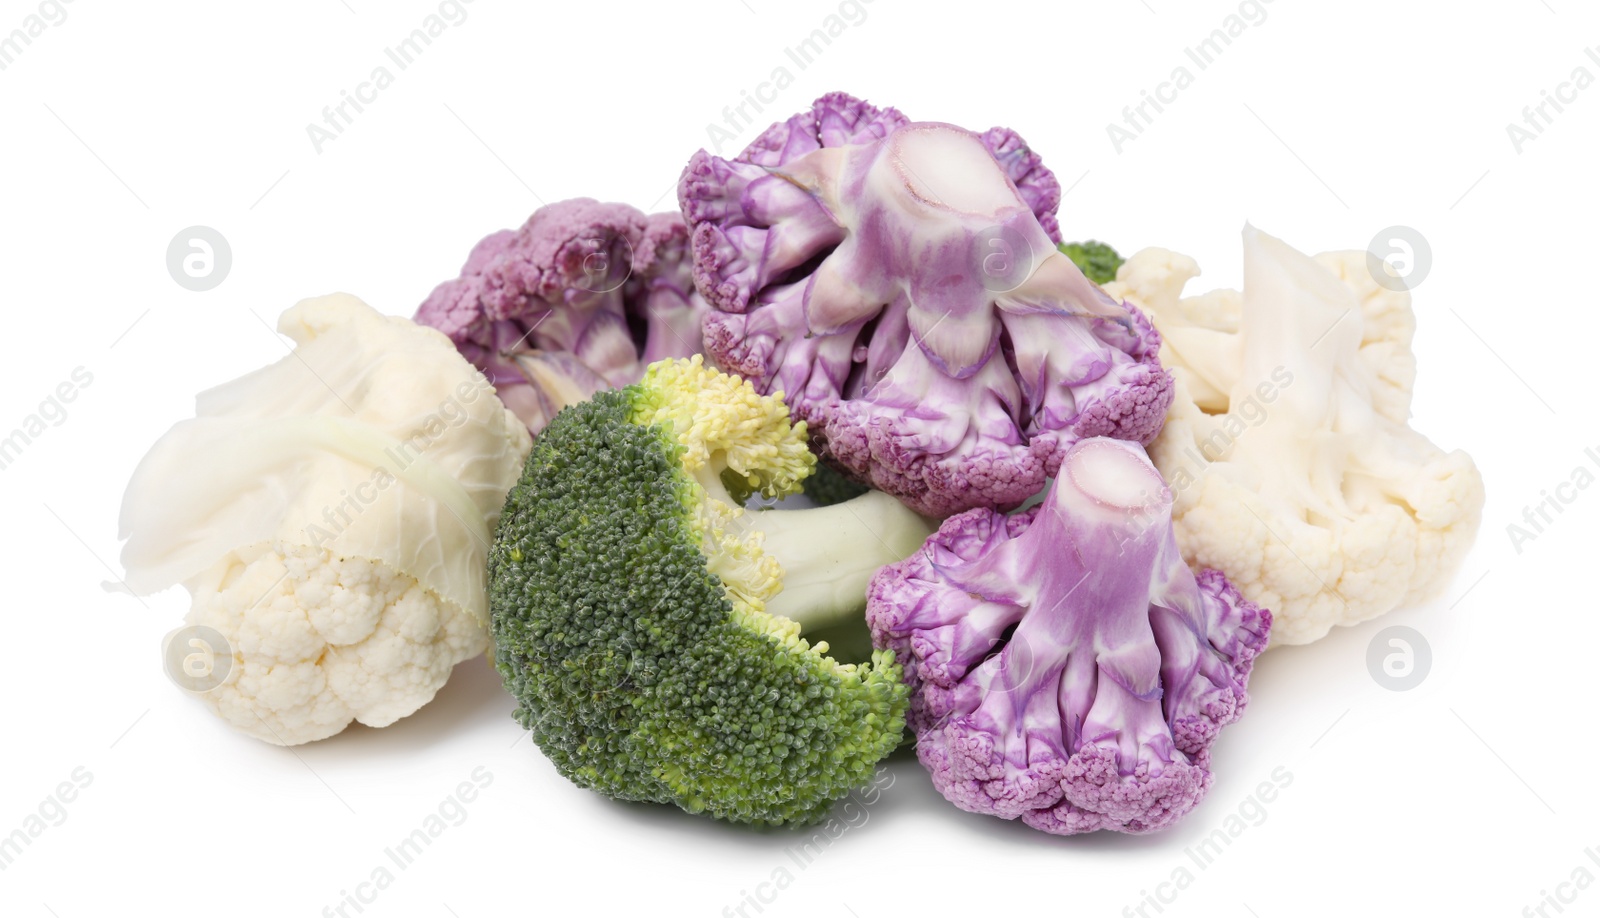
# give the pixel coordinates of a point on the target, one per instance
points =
(1066, 666)
(899, 283)
(583, 297)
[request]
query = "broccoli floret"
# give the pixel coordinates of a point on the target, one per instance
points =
(1098, 261)
(650, 627)
(829, 486)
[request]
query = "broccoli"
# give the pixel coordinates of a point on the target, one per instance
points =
(1098, 261)
(829, 486)
(636, 611)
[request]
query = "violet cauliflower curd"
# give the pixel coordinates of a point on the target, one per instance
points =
(1066, 666)
(899, 283)
(581, 298)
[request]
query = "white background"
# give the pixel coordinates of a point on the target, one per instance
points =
(1323, 124)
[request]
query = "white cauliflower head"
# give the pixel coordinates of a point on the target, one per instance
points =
(1288, 445)
(330, 516)
(320, 640)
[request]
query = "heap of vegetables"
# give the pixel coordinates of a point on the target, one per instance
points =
(877, 313)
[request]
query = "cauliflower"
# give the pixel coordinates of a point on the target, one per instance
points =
(320, 640)
(1287, 443)
(581, 298)
(336, 532)
(899, 283)
(1066, 667)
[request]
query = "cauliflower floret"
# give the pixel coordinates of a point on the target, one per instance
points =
(581, 298)
(1287, 440)
(1387, 327)
(319, 640)
(336, 534)
(1066, 666)
(938, 344)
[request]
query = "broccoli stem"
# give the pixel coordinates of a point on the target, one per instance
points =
(829, 554)
(828, 486)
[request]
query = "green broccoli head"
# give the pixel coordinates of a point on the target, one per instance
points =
(828, 486)
(632, 605)
(1098, 262)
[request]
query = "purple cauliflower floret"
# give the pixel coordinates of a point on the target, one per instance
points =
(899, 283)
(1036, 184)
(583, 297)
(1066, 666)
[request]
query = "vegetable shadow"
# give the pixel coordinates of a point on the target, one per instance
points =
(472, 698)
(854, 819)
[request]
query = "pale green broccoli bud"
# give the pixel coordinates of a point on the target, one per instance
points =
(1099, 262)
